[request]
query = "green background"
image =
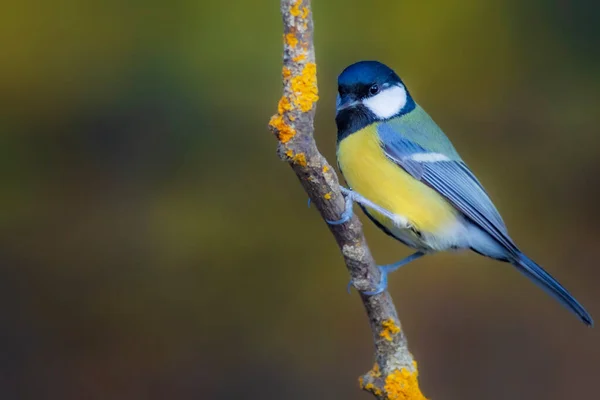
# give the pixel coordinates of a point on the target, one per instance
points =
(152, 245)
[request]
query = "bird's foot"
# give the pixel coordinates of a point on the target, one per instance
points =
(348, 211)
(385, 270)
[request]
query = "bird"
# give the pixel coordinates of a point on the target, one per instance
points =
(408, 178)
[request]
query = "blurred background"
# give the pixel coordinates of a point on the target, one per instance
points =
(145, 246)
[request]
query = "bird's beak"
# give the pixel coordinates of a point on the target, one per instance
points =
(345, 102)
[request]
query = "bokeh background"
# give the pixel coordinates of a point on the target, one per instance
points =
(154, 247)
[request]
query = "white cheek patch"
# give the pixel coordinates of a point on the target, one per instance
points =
(387, 103)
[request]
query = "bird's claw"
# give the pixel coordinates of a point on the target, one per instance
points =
(349, 286)
(348, 212)
(381, 286)
(386, 269)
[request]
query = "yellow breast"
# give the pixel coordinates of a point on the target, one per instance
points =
(369, 172)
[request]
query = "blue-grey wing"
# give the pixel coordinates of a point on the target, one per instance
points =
(452, 179)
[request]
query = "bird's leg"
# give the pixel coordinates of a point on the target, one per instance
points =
(398, 220)
(386, 269)
(352, 196)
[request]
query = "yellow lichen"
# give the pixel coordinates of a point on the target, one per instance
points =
(389, 329)
(286, 72)
(295, 10)
(299, 58)
(291, 40)
(284, 105)
(304, 88)
(325, 168)
(327, 196)
(375, 372)
(373, 389)
(299, 158)
(284, 132)
(403, 385)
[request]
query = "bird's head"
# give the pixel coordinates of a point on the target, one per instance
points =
(369, 91)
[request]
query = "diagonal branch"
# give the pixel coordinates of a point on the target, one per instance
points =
(394, 375)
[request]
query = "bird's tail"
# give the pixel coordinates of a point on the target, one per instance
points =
(543, 279)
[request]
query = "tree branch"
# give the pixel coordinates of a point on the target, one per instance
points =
(394, 375)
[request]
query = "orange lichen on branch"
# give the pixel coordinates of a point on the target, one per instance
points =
(403, 385)
(373, 389)
(305, 12)
(371, 377)
(298, 158)
(291, 40)
(325, 168)
(286, 72)
(302, 97)
(327, 196)
(295, 10)
(304, 88)
(299, 58)
(375, 372)
(284, 131)
(299, 77)
(284, 105)
(389, 329)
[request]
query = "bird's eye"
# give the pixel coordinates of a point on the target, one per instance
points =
(373, 90)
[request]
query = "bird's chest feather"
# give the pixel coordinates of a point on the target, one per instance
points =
(369, 172)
